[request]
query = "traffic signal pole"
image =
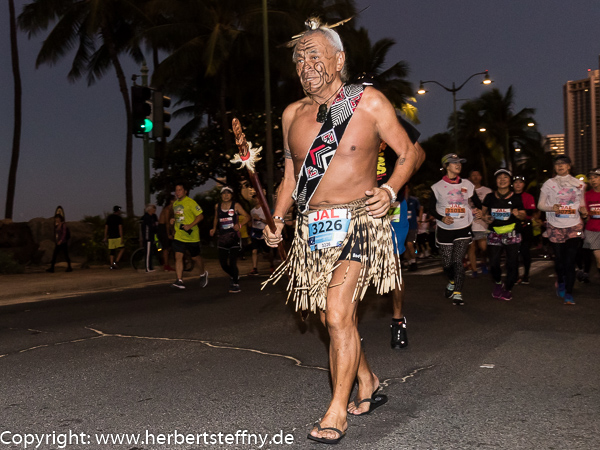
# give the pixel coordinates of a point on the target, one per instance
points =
(146, 145)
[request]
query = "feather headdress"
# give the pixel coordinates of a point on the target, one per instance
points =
(313, 23)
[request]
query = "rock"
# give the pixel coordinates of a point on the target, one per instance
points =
(42, 228)
(46, 248)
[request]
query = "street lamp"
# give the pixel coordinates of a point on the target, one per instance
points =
(454, 90)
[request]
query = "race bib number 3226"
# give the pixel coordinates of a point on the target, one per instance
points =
(328, 228)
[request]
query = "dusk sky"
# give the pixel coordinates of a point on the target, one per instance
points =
(73, 139)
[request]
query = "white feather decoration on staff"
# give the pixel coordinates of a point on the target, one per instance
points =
(251, 158)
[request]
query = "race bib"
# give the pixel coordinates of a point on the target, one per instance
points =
(566, 212)
(394, 214)
(501, 213)
(456, 212)
(595, 211)
(328, 228)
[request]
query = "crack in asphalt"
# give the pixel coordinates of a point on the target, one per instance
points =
(210, 344)
(386, 382)
(215, 345)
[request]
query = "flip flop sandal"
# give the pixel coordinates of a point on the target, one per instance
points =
(325, 440)
(376, 401)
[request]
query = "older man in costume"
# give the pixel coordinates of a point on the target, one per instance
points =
(343, 239)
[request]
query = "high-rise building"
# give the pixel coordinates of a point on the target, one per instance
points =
(555, 143)
(582, 121)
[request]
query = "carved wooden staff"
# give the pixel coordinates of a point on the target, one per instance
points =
(247, 157)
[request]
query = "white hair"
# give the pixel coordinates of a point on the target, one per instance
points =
(334, 39)
(149, 206)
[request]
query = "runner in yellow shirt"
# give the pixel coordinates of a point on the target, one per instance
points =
(188, 215)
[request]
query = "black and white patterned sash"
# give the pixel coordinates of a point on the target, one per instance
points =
(326, 143)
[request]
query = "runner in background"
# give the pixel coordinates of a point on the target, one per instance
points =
(480, 229)
(450, 206)
(399, 223)
(591, 244)
(526, 227)
(562, 199)
(505, 211)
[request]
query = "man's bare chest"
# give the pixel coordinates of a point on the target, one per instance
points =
(354, 141)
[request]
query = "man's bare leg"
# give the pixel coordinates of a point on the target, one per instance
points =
(179, 265)
(344, 346)
(368, 383)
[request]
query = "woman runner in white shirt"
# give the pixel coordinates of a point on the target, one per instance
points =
(562, 199)
(450, 206)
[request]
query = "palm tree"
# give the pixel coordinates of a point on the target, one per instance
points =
(16, 147)
(503, 126)
(83, 24)
(472, 143)
(366, 60)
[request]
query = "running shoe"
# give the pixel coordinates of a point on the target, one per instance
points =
(254, 272)
(506, 295)
(168, 268)
(234, 288)
(560, 289)
(399, 338)
(449, 290)
(498, 289)
(569, 299)
(457, 299)
(525, 280)
(204, 279)
(178, 284)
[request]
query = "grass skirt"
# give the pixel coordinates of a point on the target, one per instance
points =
(310, 272)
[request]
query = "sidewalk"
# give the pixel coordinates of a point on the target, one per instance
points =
(38, 285)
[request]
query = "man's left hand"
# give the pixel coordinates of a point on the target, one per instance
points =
(378, 203)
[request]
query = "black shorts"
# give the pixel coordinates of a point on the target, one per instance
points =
(260, 244)
(182, 247)
(353, 250)
(447, 237)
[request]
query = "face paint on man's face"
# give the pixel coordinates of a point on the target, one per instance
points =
(315, 63)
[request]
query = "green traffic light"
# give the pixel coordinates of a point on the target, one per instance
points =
(147, 125)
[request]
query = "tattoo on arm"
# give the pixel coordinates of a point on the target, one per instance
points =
(401, 161)
(287, 153)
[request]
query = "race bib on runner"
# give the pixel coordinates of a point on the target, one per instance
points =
(456, 212)
(394, 214)
(566, 212)
(328, 228)
(595, 211)
(501, 213)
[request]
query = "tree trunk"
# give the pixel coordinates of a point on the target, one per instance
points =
(14, 160)
(129, 142)
(225, 124)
